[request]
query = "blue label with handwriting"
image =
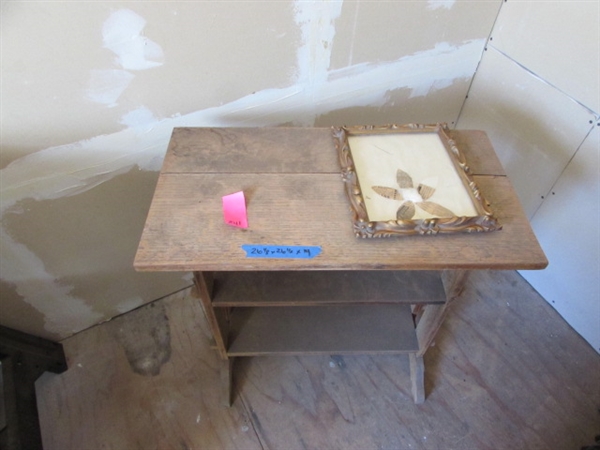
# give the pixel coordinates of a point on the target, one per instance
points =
(281, 251)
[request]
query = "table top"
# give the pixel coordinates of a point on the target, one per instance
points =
(295, 197)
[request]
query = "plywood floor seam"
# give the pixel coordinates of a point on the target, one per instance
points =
(506, 372)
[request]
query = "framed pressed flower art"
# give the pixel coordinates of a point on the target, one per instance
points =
(409, 179)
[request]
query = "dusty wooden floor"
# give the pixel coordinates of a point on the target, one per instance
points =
(506, 373)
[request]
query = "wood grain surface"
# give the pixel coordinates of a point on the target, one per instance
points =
(185, 228)
(251, 150)
(478, 151)
(347, 329)
(146, 380)
(297, 288)
(506, 372)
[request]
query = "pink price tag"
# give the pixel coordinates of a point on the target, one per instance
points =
(234, 210)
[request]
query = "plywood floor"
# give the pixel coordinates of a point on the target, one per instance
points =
(506, 372)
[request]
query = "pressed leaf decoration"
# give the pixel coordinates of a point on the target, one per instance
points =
(388, 192)
(435, 209)
(425, 191)
(407, 209)
(403, 179)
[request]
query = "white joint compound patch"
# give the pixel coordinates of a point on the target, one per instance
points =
(317, 22)
(140, 117)
(106, 86)
(63, 313)
(437, 4)
(121, 34)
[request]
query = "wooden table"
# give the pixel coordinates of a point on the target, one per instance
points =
(358, 295)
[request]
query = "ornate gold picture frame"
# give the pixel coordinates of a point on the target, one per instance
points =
(409, 179)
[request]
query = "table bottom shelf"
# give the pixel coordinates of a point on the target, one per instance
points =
(347, 329)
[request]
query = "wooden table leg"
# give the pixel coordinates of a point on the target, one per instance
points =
(430, 321)
(433, 315)
(417, 377)
(227, 381)
(217, 320)
(218, 323)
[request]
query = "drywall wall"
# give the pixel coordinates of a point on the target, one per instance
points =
(535, 128)
(571, 282)
(92, 90)
(558, 41)
(537, 94)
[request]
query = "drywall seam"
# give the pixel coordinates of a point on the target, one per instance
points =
(462, 107)
(539, 78)
(129, 304)
(559, 176)
(317, 23)
(353, 35)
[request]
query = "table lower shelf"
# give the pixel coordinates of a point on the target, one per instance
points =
(340, 329)
(318, 287)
